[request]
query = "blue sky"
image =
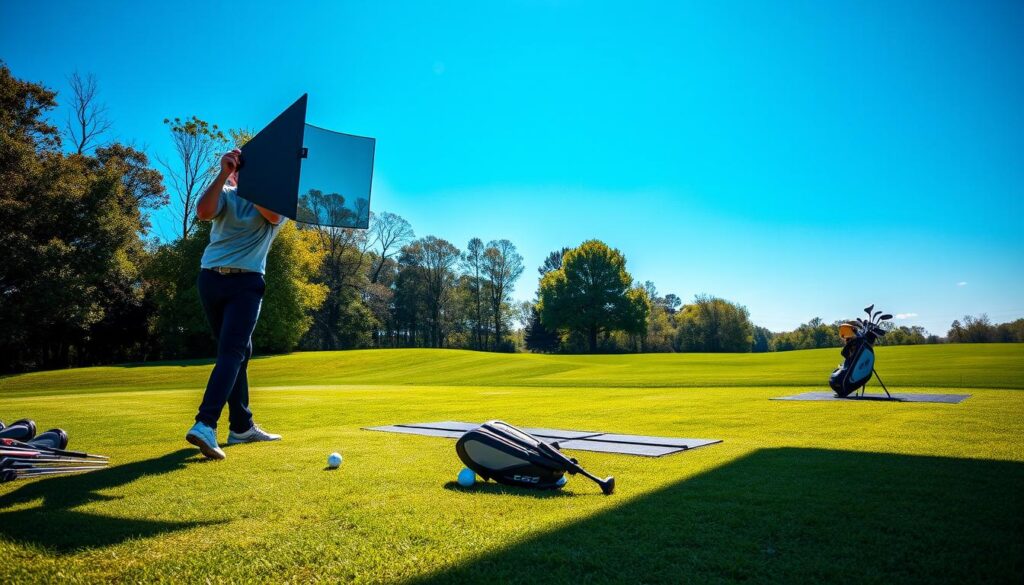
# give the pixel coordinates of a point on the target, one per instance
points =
(802, 158)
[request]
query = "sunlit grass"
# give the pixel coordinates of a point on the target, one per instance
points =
(798, 491)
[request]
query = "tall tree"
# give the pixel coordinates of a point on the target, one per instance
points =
(388, 233)
(503, 266)
(198, 146)
(592, 293)
(430, 261)
(88, 120)
(473, 267)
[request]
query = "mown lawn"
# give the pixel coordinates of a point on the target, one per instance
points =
(797, 492)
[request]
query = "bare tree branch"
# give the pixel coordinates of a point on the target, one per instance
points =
(390, 231)
(198, 147)
(88, 119)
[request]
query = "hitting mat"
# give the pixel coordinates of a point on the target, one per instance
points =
(829, 396)
(579, 440)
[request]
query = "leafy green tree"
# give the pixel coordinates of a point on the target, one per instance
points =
(537, 337)
(291, 298)
(713, 325)
(762, 340)
(70, 241)
(142, 185)
(179, 327)
(503, 266)
(1012, 332)
(592, 293)
(553, 261)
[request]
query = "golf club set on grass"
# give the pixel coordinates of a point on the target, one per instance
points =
(859, 354)
(25, 454)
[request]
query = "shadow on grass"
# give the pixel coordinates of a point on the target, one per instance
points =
(497, 489)
(56, 526)
(790, 516)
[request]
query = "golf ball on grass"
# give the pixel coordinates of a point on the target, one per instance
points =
(467, 477)
(334, 460)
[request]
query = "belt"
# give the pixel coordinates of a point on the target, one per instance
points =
(229, 270)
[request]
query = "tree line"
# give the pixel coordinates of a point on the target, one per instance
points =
(84, 281)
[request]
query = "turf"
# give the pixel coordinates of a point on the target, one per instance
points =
(798, 492)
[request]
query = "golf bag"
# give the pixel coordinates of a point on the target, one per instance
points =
(858, 354)
(856, 369)
(499, 451)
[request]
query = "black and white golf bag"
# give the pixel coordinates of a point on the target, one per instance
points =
(856, 369)
(499, 451)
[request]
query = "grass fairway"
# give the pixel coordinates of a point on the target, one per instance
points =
(798, 492)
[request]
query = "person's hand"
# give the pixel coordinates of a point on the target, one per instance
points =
(230, 161)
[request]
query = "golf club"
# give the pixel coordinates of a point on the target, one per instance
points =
(51, 439)
(13, 444)
(607, 484)
(19, 430)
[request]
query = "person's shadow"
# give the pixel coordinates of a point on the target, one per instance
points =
(56, 526)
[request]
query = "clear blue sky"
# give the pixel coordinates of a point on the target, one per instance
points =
(802, 158)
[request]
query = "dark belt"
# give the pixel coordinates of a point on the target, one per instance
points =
(229, 270)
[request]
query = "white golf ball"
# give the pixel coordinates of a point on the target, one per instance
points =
(467, 477)
(334, 460)
(562, 481)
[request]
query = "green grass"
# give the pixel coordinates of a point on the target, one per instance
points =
(797, 492)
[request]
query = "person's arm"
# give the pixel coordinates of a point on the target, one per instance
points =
(274, 218)
(206, 208)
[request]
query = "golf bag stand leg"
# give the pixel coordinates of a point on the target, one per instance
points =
(882, 383)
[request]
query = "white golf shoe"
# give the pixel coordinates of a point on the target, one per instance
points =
(205, 438)
(253, 435)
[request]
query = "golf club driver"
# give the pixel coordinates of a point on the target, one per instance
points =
(19, 430)
(51, 439)
(607, 484)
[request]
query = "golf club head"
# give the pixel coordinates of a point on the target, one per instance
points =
(607, 485)
(51, 439)
(886, 317)
(875, 317)
(19, 430)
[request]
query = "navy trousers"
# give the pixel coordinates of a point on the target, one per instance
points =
(232, 305)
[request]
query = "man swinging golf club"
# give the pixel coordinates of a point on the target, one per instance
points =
(231, 288)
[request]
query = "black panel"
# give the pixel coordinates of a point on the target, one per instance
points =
(271, 162)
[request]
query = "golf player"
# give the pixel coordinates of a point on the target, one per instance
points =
(231, 287)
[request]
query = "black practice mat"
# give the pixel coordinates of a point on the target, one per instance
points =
(830, 396)
(579, 440)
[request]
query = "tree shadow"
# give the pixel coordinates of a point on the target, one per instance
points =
(790, 515)
(56, 526)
